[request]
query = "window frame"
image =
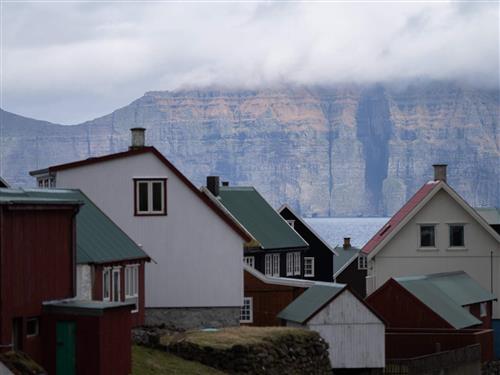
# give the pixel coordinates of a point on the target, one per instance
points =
(249, 261)
(132, 272)
(362, 262)
(289, 264)
(37, 326)
(427, 247)
(106, 270)
(297, 263)
(272, 265)
(150, 181)
(276, 265)
(311, 264)
(483, 309)
(112, 294)
(450, 245)
(244, 309)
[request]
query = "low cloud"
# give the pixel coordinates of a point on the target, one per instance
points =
(82, 60)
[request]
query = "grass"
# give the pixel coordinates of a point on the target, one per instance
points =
(228, 337)
(20, 363)
(146, 361)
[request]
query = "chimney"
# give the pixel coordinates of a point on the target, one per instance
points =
(225, 183)
(439, 172)
(213, 185)
(138, 137)
(347, 242)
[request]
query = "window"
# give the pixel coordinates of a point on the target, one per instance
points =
(483, 311)
(289, 264)
(291, 223)
(427, 236)
(132, 285)
(250, 261)
(272, 265)
(457, 235)
(150, 196)
(309, 266)
(246, 313)
(32, 327)
(362, 262)
(46, 182)
(296, 263)
(115, 285)
(106, 284)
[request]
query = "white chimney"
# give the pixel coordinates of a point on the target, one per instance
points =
(138, 137)
(439, 172)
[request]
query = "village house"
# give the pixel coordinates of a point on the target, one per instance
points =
(350, 267)
(196, 279)
(354, 331)
(39, 313)
(319, 258)
(435, 231)
(445, 311)
(275, 249)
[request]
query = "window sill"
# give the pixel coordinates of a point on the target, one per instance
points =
(456, 249)
(150, 214)
(428, 249)
(134, 311)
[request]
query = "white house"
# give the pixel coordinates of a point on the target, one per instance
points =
(354, 332)
(196, 277)
(435, 231)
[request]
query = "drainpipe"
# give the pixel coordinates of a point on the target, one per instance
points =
(491, 271)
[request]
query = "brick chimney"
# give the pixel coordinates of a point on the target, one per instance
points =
(347, 242)
(439, 172)
(213, 185)
(138, 137)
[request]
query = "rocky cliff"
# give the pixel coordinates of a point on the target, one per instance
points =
(328, 151)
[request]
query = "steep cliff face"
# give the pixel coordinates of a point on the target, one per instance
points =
(344, 150)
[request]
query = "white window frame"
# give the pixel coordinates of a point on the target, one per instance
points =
(268, 269)
(308, 266)
(276, 265)
(246, 312)
(106, 271)
(149, 183)
(132, 284)
(483, 309)
(420, 236)
(296, 263)
(289, 264)
(112, 294)
(249, 261)
(362, 262)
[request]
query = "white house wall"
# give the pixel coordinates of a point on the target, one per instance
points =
(355, 335)
(197, 256)
(402, 256)
(83, 282)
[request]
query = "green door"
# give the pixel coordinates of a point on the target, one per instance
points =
(65, 352)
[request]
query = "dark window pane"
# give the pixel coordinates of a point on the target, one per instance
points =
(456, 235)
(143, 196)
(427, 236)
(32, 327)
(157, 196)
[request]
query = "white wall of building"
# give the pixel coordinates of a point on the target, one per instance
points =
(197, 256)
(355, 335)
(83, 282)
(402, 256)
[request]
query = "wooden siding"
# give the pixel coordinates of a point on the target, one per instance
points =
(354, 278)
(37, 265)
(268, 299)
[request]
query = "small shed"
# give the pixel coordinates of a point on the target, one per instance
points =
(354, 332)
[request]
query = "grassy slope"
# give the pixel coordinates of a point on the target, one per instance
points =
(147, 361)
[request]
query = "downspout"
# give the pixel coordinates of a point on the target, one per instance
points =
(491, 271)
(74, 247)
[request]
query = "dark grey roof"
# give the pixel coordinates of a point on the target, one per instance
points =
(344, 258)
(83, 307)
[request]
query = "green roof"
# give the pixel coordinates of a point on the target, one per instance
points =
(446, 294)
(309, 302)
(490, 214)
(259, 218)
(99, 239)
(344, 257)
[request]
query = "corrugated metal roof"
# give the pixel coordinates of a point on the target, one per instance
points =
(344, 257)
(259, 218)
(309, 302)
(83, 307)
(99, 239)
(490, 214)
(446, 294)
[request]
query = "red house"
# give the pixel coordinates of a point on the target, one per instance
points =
(38, 312)
(436, 312)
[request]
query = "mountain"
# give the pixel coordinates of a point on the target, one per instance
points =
(343, 150)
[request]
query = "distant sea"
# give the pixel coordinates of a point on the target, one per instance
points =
(334, 229)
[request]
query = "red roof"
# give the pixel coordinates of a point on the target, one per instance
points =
(168, 164)
(399, 216)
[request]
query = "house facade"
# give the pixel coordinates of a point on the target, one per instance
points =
(435, 231)
(319, 258)
(355, 333)
(350, 267)
(189, 238)
(275, 248)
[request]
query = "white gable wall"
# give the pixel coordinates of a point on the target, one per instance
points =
(355, 335)
(198, 256)
(401, 256)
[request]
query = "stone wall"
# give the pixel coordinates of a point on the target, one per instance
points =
(290, 354)
(193, 317)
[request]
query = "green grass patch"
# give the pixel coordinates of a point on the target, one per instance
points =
(146, 361)
(228, 337)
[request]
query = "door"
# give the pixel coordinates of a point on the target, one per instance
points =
(65, 352)
(17, 333)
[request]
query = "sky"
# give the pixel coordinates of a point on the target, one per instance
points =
(68, 62)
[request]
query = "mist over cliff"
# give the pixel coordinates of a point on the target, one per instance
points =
(338, 150)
